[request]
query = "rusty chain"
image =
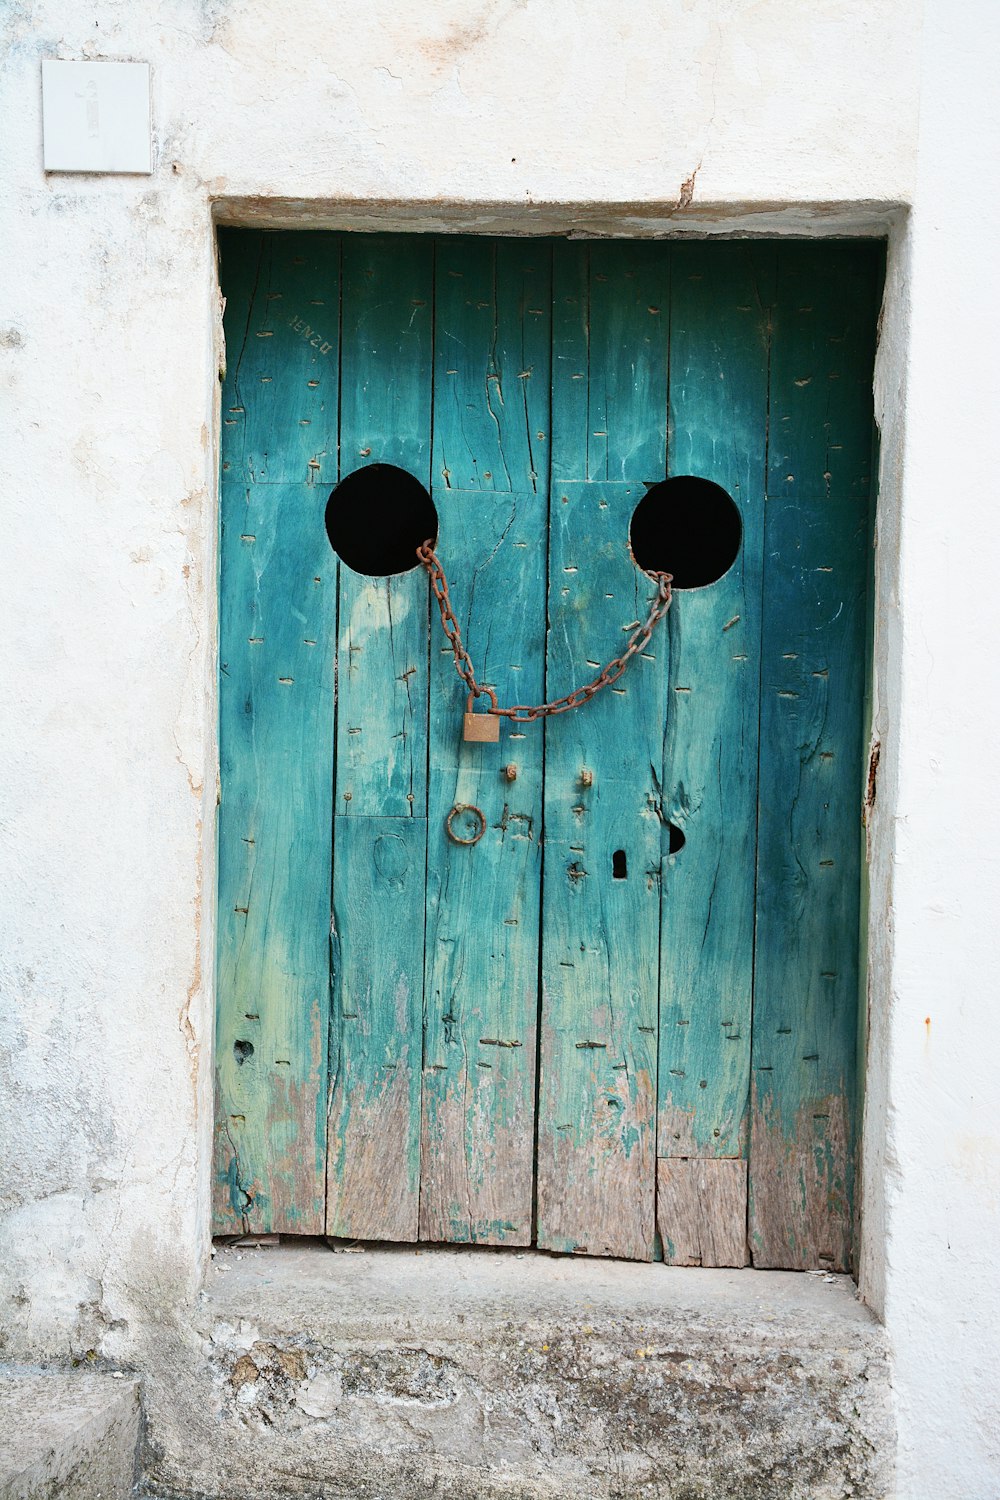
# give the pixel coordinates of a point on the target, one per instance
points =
(523, 713)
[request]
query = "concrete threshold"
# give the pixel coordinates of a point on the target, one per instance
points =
(65, 1432)
(410, 1372)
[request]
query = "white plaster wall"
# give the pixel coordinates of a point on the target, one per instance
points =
(665, 115)
(933, 1194)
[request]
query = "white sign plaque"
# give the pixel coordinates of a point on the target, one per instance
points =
(95, 117)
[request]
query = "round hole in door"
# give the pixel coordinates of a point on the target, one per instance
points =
(688, 527)
(376, 519)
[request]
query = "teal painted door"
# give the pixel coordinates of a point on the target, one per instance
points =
(623, 1021)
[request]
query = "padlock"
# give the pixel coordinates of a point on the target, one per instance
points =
(480, 729)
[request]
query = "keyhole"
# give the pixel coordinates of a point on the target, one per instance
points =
(619, 865)
(376, 519)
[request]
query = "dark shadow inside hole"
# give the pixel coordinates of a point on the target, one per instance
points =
(241, 1051)
(619, 865)
(676, 838)
(688, 527)
(376, 519)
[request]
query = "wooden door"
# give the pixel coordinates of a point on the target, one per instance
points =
(626, 1015)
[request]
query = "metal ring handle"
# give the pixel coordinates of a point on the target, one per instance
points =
(461, 807)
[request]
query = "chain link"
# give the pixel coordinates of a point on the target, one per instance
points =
(524, 713)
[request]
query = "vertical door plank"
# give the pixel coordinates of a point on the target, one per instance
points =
(492, 338)
(483, 901)
(600, 957)
(701, 1211)
(491, 416)
(627, 380)
(276, 743)
(817, 547)
(821, 371)
(276, 635)
(720, 309)
(377, 997)
(570, 362)
(282, 314)
(597, 1103)
(374, 1127)
(385, 418)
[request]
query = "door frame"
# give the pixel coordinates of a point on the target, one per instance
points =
(810, 222)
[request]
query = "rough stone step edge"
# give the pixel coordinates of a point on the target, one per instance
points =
(68, 1433)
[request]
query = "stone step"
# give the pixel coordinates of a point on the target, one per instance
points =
(505, 1375)
(67, 1433)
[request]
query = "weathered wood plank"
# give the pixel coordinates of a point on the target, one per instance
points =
(492, 320)
(276, 712)
(609, 353)
(382, 695)
(279, 406)
(821, 373)
(597, 1102)
(701, 1211)
(627, 376)
(491, 402)
(483, 901)
(601, 881)
(808, 886)
(277, 616)
(812, 684)
(382, 660)
(378, 953)
(720, 310)
(570, 362)
(381, 767)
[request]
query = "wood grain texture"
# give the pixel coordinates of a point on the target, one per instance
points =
(383, 622)
(701, 1211)
(381, 762)
(279, 406)
(597, 1102)
(601, 882)
(448, 367)
(825, 322)
(276, 627)
(817, 545)
(626, 375)
(720, 315)
(483, 901)
(808, 879)
(491, 403)
(492, 355)
(378, 952)
(276, 698)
